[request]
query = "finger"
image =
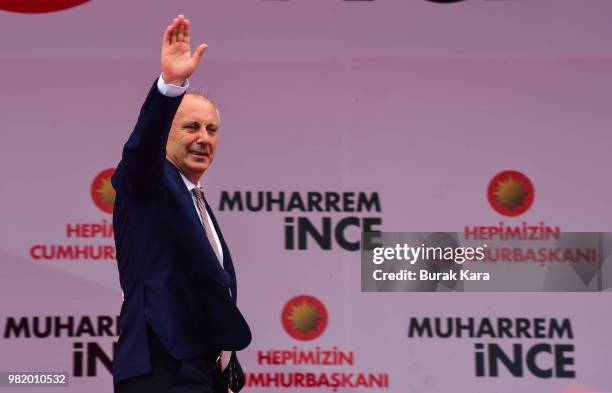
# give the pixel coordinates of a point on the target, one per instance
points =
(180, 27)
(174, 31)
(186, 38)
(181, 31)
(197, 54)
(167, 34)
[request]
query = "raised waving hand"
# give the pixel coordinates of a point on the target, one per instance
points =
(177, 61)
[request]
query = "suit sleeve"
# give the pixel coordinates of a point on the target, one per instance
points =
(144, 153)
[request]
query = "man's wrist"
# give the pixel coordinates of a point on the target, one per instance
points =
(173, 81)
(171, 89)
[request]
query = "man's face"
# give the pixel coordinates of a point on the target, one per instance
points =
(193, 136)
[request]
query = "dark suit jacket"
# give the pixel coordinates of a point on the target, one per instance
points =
(168, 270)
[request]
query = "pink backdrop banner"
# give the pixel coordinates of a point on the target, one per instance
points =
(414, 103)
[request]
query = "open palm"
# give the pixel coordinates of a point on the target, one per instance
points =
(177, 61)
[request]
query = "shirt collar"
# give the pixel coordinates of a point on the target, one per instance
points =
(190, 186)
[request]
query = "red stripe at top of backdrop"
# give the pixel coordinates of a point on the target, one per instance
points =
(38, 6)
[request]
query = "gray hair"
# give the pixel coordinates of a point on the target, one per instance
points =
(194, 91)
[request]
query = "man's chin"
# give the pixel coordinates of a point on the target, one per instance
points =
(199, 167)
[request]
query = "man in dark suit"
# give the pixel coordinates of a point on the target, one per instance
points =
(175, 269)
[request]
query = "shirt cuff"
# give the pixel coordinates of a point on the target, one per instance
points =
(171, 90)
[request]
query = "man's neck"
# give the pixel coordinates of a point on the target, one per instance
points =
(194, 178)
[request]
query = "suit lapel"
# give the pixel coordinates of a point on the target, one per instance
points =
(228, 264)
(188, 226)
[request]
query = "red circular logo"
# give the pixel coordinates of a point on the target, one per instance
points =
(510, 193)
(102, 191)
(38, 6)
(304, 318)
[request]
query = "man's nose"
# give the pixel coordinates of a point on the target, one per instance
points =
(203, 136)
